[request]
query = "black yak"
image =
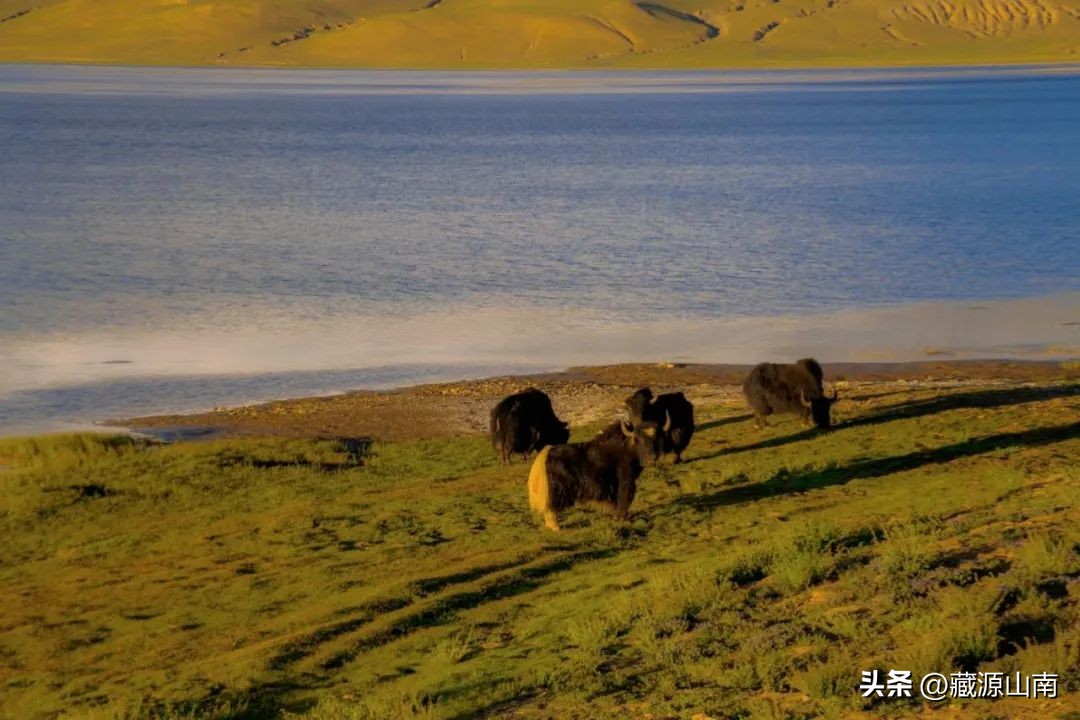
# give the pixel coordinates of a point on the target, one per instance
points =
(601, 472)
(795, 388)
(525, 422)
(672, 409)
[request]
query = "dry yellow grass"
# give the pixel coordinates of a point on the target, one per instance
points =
(540, 33)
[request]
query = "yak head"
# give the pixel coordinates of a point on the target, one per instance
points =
(637, 403)
(819, 407)
(558, 433)
(646, 440)
(552, 432)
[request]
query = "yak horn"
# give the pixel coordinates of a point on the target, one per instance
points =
(803, 400)
(627, 429)
(667, 421)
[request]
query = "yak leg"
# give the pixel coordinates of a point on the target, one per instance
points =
(551, 520)
(627, 489)
(762, 421)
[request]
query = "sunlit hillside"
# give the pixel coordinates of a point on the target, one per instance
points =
(540, 33)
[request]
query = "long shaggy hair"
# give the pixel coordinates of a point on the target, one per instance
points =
(538, 482)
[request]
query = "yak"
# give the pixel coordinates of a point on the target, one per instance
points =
(601, 472)
(525, 422)
(795, 388)
(670, 409)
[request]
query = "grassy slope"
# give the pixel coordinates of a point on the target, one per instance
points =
(541, 33)
(932, 531)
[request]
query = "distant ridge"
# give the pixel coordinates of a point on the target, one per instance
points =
(540, 33)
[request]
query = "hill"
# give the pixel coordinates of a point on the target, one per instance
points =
(936, 529)
(540, 33)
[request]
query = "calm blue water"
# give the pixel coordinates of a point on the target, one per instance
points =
(195, 224)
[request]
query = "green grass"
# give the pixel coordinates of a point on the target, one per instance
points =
(327, 580)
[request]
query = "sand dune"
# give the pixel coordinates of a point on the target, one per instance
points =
(540, 33)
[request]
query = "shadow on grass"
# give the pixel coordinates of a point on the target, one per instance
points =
(268, 699)
(355, 449)
(84, 492)
(920, 408)
(785, 482)
(871, 396)
(499, 706)
(1000, 397)
(428, 586)
(258, 704)
(723, 421)
(444, 609)
(302, 647)
(363, 614)
(761, 445)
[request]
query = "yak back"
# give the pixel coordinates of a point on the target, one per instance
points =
(644, 407)
(664, 408)
(785, 380)
(589, 470)
(676, 409)
(532, 404)
(793, 388)
(674, 406)
(811, 366)
(525, 421)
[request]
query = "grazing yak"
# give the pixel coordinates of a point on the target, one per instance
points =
(525, 422)
(794, 388)
(601, 472)
(670, 409)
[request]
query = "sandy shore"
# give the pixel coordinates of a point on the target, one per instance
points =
(580, 395)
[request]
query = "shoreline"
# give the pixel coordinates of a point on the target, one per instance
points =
(53, 383)
(581, 395)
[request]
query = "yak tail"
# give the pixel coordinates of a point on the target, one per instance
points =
(538, 482)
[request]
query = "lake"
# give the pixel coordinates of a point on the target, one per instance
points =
(173, 240)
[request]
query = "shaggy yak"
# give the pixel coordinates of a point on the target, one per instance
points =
(670, 409)
(601, 472)
(524, 423)
(794, 388)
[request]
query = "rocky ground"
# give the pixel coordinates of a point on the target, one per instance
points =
(579, 395)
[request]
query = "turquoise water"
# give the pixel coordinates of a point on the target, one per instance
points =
(210, 237)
